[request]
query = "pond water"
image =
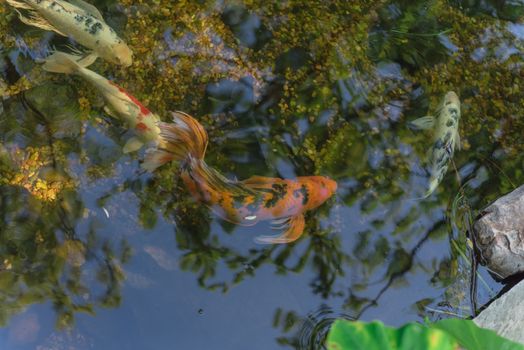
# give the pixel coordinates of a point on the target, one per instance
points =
(97, 254)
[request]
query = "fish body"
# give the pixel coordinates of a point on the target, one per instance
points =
(445, 138)
(121, 103)
(284, 201)
(78, 20)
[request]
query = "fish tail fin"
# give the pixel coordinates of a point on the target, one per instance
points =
(180, 140)
(185, 141)
(32, 17)
(60, 62)
(184, 137)
(19, 4)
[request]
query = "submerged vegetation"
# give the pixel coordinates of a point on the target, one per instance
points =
(283, 90)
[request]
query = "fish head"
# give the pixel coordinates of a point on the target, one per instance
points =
(321, 189)
(117, 53)
(123, 54)
(451, 98)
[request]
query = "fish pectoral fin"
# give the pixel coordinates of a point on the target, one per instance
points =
(88, 8)
(88, 60)
(295, 227)
(433, 184)
(155, 158)
(458, 142)
(280, 224)
(77, 55)
(424, 123)
(133, 144)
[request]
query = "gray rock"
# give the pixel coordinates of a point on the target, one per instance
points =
(504, 315)
(499, 234)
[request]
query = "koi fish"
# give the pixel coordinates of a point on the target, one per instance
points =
(284, 201)
(79, 20)
(445, 137)
(121, 104)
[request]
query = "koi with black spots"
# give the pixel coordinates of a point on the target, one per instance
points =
(284, 201)
(79, 20)
(446, 138)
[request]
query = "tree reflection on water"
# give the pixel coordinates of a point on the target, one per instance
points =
(43, 256)
(283, 90)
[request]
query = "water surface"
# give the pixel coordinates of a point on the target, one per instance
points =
(96, 254)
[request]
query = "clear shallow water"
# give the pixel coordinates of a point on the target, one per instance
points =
(129, 260)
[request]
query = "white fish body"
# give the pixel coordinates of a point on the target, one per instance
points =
(445, 138)
(78, 20)
(122, 104)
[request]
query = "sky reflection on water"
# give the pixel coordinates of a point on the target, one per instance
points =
(129, 260)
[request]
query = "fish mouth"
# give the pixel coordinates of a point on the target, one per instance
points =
(125, 61)
(451, 97)
(332, 184)
(327, 187)
(122, 55)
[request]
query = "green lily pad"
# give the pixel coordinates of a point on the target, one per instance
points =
(471, 336)
(346, 335)
(451, 334)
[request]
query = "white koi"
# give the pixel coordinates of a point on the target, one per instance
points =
(445, 138)
(121, 103)
(78, 20)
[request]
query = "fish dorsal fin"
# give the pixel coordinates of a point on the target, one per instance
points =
(424, 123)
(88, 8)
(262, 181)
(132, 109)
(294, 228)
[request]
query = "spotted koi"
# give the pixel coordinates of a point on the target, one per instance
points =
(79, 20)
(446, 138)
(284, 201)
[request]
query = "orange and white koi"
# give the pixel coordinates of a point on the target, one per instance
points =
(78, 20)
(121, 104)
(284, 201)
